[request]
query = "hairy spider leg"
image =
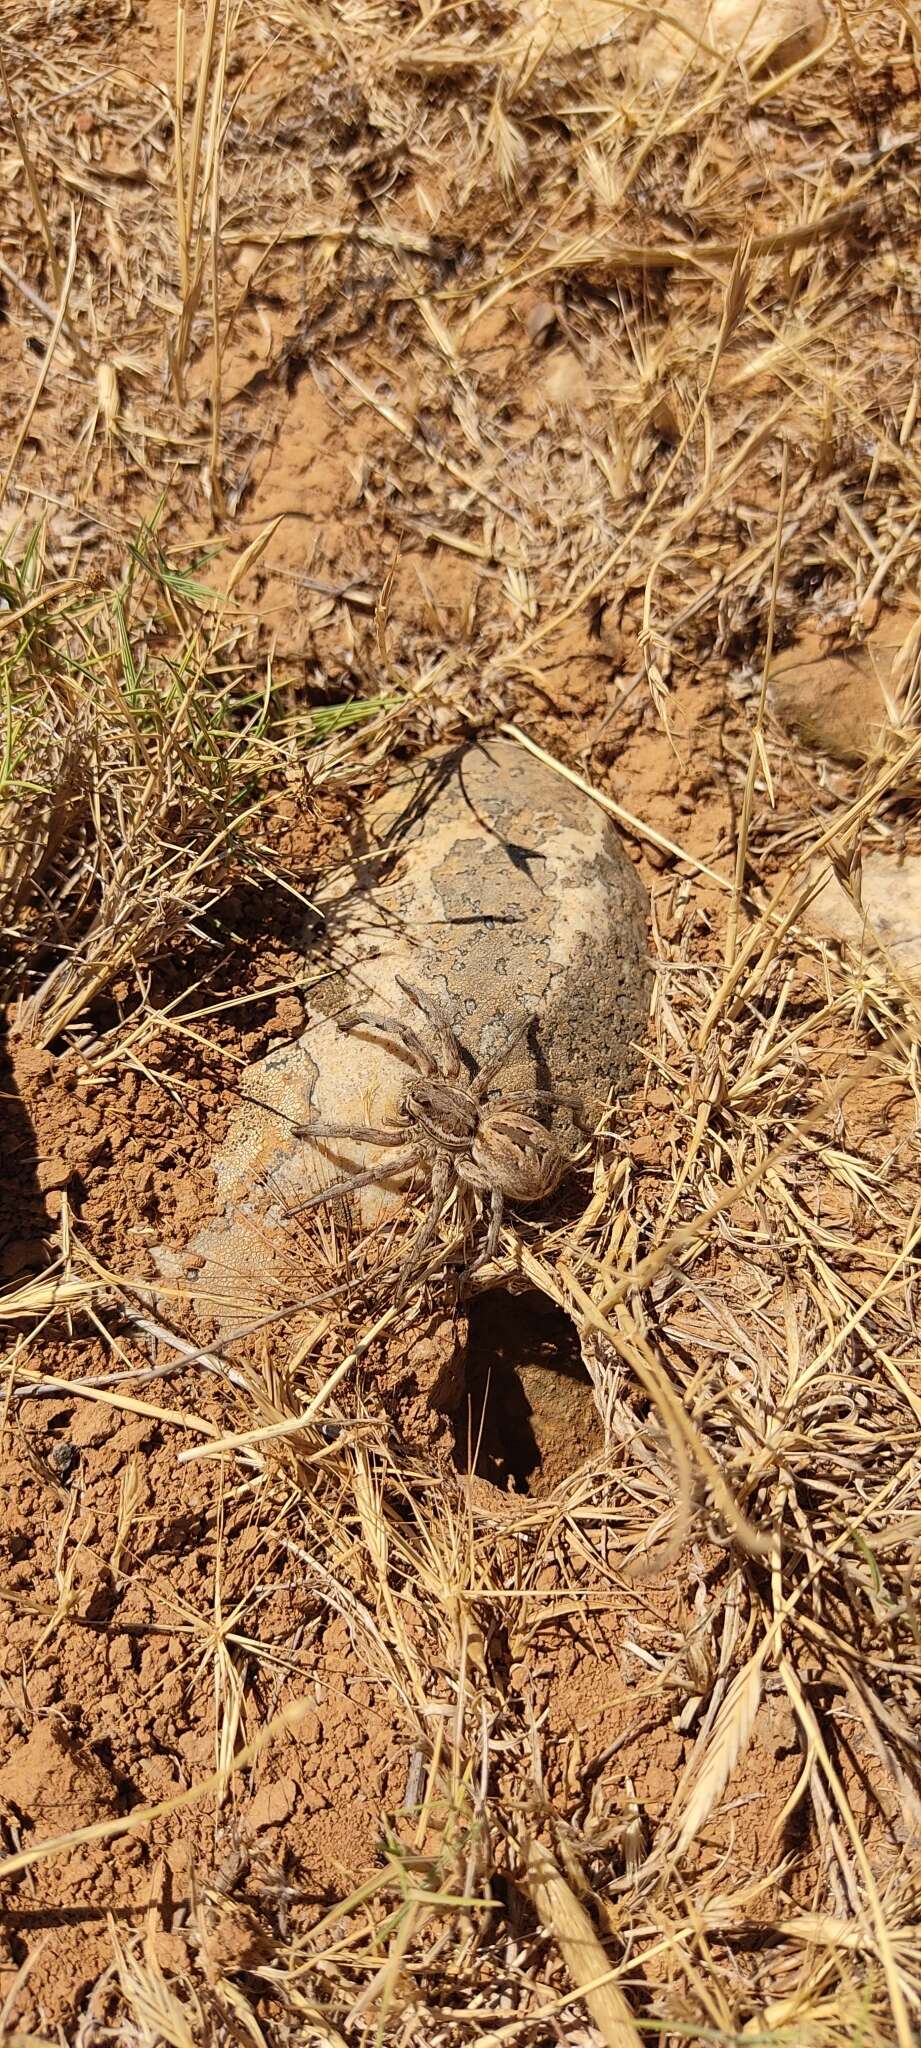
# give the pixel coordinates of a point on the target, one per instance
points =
(432, 1010)
(520, 1097)
(487, 1074)
(442, 1183)
(353, 1181)
(488, 1250)
(362, 1133)
(395, 1029)
(474, 1176)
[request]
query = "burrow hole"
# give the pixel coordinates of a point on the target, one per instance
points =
(528, 1416)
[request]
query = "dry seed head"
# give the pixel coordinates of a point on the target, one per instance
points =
(108, 394)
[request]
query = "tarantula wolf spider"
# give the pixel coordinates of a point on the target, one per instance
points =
(465, 1137)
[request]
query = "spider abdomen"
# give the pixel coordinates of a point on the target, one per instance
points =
(518, 1155)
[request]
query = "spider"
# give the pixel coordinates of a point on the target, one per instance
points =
(494, 1145)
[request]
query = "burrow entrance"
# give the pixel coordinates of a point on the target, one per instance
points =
(528, 1416)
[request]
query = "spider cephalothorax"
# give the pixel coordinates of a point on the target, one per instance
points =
(493, 1144)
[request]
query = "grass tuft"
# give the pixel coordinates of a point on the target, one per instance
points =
(133, 761)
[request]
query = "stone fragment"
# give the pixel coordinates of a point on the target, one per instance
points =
(52, 1173)
(541, 321)
(565, 381)
(888, 926)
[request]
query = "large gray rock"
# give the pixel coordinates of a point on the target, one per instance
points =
(484, 878)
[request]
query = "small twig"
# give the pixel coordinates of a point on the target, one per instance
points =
(32, 297)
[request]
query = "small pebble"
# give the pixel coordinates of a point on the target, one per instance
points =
(541, 321)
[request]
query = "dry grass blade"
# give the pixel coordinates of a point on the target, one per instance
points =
(900, 2013)
(821, 1930)
(634, 826)
(161, 2016)
(197, 192)
(729, 1738)
(106, 1397)
(558, 1908)
(44, 1296)
(16, 2039)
